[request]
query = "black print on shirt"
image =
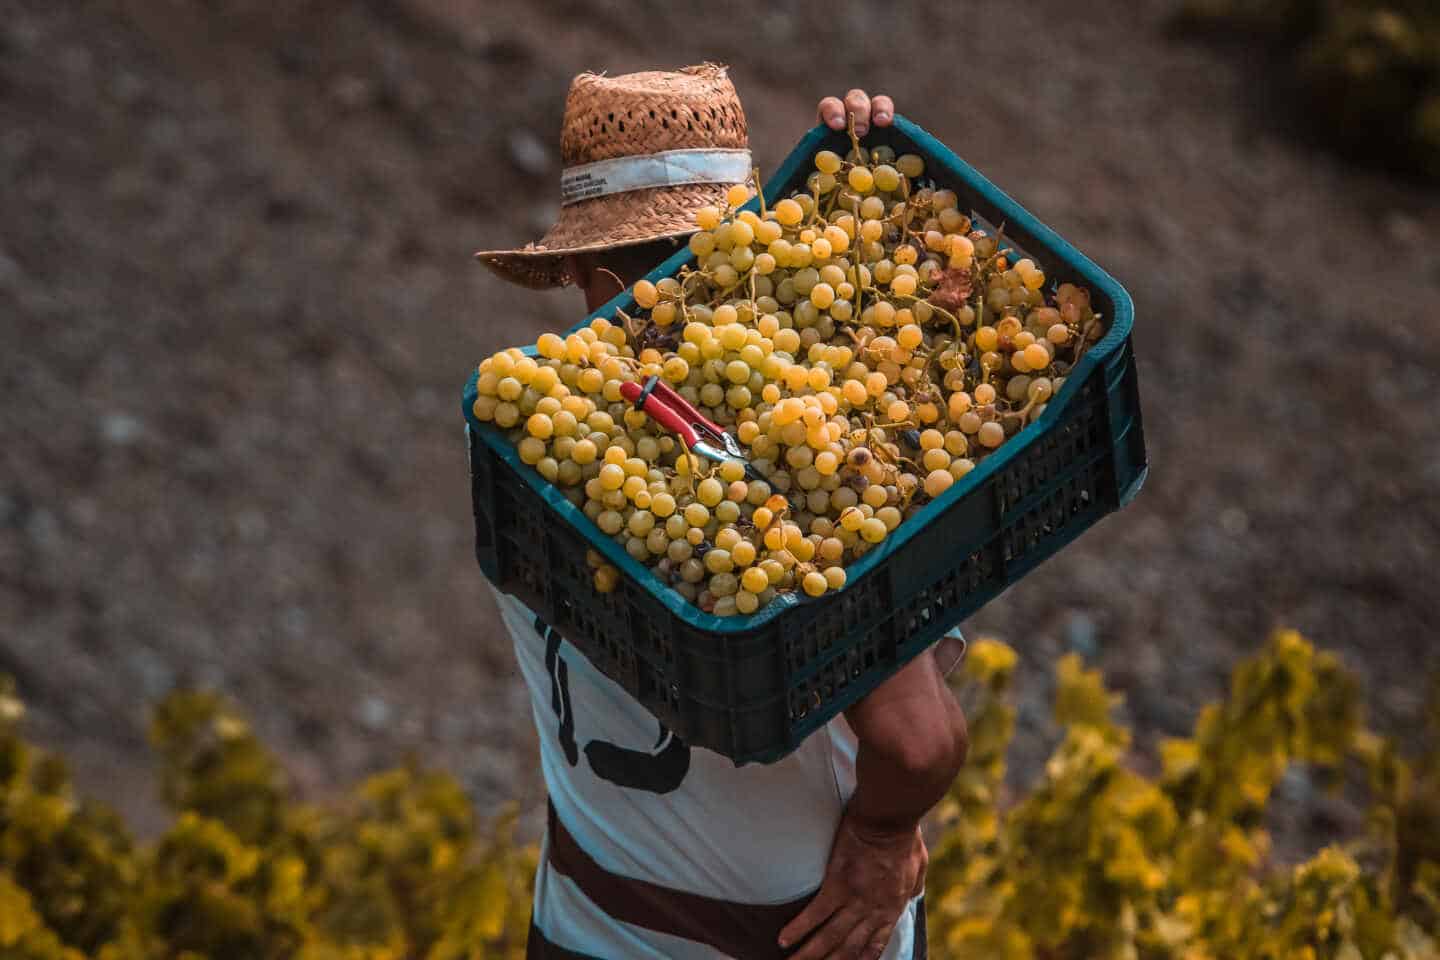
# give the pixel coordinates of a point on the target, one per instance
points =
(559, 690)
(658, 770)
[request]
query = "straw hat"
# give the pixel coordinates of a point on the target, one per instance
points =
(620, 136)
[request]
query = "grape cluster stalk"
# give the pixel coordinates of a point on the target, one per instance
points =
(866, 342)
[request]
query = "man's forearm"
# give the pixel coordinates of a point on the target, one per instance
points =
(913, 742)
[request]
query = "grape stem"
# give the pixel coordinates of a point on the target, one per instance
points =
(689, 275)
(908, 496)
(1085, 338)
(634, 337)
(720, 296)
(683, 297)
(1000, 248)
(859, 292)
(954, 320)
(692, 462)
(627, 322)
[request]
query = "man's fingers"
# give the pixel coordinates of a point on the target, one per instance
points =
(879, 940)
(858, 103)
(879, 112)
(832, 113)
(866, 942)
(882, 111)
(816, 912)
(924, 868)
(823, 943)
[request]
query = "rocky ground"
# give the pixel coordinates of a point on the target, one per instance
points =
(238, 307)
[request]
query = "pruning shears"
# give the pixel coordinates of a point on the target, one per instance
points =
(658, 400)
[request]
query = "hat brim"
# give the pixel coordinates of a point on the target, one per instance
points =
(604, 223)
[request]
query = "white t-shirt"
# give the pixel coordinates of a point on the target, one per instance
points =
(645, 806)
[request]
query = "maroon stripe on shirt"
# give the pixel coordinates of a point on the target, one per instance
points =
(539, 948)
(743, 930)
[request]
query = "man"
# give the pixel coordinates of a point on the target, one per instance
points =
(654, 850)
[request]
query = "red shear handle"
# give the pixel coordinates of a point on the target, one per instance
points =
(673, 399)
(663, 414)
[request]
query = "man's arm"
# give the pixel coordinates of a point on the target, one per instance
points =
(913, 741)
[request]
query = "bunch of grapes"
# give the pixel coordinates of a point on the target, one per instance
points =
(866, 342)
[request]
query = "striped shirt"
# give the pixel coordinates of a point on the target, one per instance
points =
(643, 805)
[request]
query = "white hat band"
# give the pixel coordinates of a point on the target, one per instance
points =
(647, 171)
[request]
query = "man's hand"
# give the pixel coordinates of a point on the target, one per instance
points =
(873, 873)
(878, 112)
(912, 741)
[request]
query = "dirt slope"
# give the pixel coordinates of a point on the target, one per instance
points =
(237, 309)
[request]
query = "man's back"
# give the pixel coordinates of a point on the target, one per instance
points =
(642, 805)
(648, 840)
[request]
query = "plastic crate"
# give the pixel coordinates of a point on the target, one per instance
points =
(753, 687)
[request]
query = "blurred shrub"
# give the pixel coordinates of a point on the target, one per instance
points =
(1097, 861)
(1100, 861)
(1368, 70)
(395, 870)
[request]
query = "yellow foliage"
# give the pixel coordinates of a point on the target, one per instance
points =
(23, 934)
(394, 872)
(17, 917)
(1099, 861)
(1096, 860)
(1081, 699)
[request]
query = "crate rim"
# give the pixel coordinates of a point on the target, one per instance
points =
(799, 158)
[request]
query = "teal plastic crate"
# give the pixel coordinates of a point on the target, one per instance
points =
(753, 687)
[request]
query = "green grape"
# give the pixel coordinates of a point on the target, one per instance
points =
(803, 333)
